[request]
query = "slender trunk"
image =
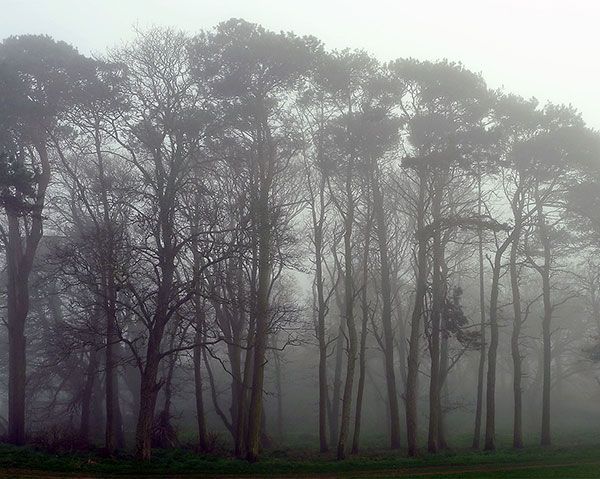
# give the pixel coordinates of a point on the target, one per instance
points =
(17, 309)
(490, 398)
(199, 314)
(349, 313)
(86, 394)
(149, 386)
(481, 368)
(111, 398)
(436, 311)
(415, 324)
(321, 313)
(546, 325)
(262, 328)
(279, 393)
(363, 340)
(444, 360)
(334, 414)
(242, 415)
(148, 393)
(20, 254)
(361, 381)
(386, 311)
(97, 420)
(516, 332)
(109, 302)
(198, 382)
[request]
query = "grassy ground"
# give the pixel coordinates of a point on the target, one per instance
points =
(528, 463)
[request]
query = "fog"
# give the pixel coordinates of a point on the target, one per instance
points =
(326, 227)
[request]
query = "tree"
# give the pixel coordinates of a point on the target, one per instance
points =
(444, 106)
(251, 71)
(162, 135)
(39, 79)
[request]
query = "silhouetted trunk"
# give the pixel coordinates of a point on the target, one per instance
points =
(97, 420)
(279, 394)
(334, 414)
(386, 311)
(149, 386)
(242, 414)
(349, 313)
(17, 309)
(436, 311)
(110, 373)
(490, 398)
(86, 394)
(321, 314)
(361, 383)
(517, 322)
(108, 299)
(481, 367)
(444, 363)
(199, 316)
(262, 326)
(546, 323)
(164, 432)
(198, 382)
(20, 253)
(415, 324)
(148, 393)
(363, 339)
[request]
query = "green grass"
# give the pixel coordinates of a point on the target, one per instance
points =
(569, 462)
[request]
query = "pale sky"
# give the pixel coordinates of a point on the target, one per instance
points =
(549, 49)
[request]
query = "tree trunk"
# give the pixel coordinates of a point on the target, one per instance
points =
(148, 393)
(111, 370)
(516, 332)
(334, 414)
(279, 393)
(546, 325)
(444, 360)
(490, 398)
(262, 328)
(363, 339)
(242, 413)
(86, 395)
(321, 314)
(349, 313)
(436, 311)
(415, 325)
(481, 368)
(197, 354)
(386, 311)
(17, 309)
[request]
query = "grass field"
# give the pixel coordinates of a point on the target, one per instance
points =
(557, 462)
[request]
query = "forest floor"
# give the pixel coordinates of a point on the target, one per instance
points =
(555, 462)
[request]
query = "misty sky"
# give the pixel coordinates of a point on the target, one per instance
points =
(543, 48)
